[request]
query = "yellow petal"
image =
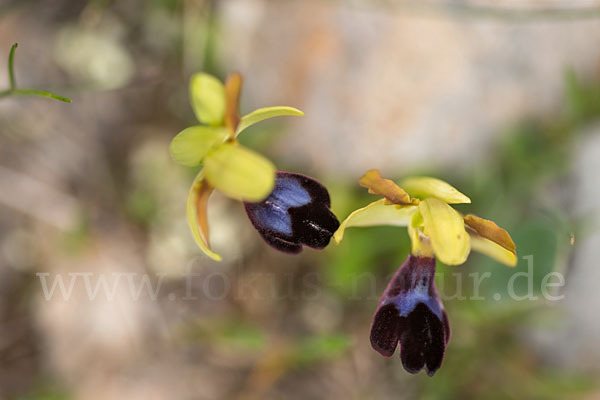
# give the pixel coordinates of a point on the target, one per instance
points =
(492, 240)
(446, 229)
(191, 144)
(492, 249)
(239, 172)
(265, 113)
(376, 213)
(384, 187)
(423, 187)
(207, 96)
(197, 203)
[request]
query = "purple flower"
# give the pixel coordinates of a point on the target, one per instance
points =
(296, 213)
(411, 313)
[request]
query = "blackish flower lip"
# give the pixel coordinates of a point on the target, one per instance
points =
(296, 213)
(411, 314)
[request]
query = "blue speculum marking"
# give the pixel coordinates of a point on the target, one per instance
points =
(406, 303)
(416, 292)
(273, 212)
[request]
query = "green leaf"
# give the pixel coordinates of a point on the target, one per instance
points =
(265, 113)
(191, 144)
(207, 96)
(239, 172)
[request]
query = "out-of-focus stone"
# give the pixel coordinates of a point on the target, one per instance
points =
(581, 295)
(571, 343)
(392, 88)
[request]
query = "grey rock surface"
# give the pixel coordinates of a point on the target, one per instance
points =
(396, 88)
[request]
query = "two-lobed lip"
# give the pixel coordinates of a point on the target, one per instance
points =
(296, 213)
(411, 314)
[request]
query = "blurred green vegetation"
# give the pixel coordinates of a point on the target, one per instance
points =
(240, 337)
(46, 391)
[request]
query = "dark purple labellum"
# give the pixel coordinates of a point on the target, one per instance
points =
(411, 313)
(296, 213)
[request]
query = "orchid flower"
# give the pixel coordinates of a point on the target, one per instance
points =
(410, 311)
(288, 210)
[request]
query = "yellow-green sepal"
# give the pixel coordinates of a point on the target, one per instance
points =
(191, 145)
(265, 113)
(376, 213)
(446, 229)
(493, 250)
(207, 96)
(239, 172)
(424, 186)
(197, 203)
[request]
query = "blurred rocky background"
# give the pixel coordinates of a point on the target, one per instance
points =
(501, 98)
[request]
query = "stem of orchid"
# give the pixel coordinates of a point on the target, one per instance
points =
(233, 89)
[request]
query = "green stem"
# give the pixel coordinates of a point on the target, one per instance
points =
(42, 93)
(11, 71)
(25, 92)
(12, 90)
